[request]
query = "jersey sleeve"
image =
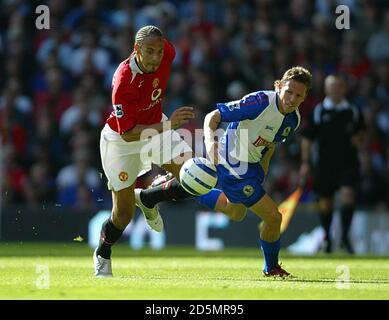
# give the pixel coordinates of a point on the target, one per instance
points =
(125, 105)
(249, 107)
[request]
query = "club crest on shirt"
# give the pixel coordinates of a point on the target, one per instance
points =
(155, 83)
(123, 176)
(248, 190)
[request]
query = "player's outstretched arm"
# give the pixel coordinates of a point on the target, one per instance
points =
(177, 119)
(211, 123)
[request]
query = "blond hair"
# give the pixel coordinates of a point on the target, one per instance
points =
(299, 74)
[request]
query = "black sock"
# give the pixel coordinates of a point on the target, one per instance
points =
(108, 236)
(326, 219)
(347, 212)
(169, 190)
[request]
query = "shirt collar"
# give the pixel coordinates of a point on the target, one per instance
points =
(134, 67)
(329, 104)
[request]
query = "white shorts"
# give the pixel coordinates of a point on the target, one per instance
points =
(124, 161)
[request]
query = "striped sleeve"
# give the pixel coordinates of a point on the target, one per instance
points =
(249, 107)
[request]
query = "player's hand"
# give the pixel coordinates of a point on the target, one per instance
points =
(212, 149)
(181, 116)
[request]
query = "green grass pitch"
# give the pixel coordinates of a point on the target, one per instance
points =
(65, 271)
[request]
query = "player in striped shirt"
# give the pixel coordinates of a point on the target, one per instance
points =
(257, 123)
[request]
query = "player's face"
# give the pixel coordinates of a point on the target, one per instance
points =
(291, 93)
(150, 53)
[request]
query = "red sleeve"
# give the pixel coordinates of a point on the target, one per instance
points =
(125, 107)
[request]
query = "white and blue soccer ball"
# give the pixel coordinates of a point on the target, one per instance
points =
(198, 176)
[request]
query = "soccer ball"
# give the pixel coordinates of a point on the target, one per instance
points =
(198, 176)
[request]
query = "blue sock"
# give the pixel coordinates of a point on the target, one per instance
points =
(270, 252)
(209, 200)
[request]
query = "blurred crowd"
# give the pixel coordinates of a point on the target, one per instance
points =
(55, 84)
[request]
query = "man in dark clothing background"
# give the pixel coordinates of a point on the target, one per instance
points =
(336, 126)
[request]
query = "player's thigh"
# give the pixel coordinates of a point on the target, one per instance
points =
(267, 209)
(120, 168)
(173, 152)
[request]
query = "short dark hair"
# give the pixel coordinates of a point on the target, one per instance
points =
(297, 73)
(147, 31)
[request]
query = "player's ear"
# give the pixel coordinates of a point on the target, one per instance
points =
(306, 92)
(278, 88)
(137, 48)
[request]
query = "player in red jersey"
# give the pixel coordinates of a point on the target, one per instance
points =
(135, 127)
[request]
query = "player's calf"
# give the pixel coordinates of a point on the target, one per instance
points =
(166, 191)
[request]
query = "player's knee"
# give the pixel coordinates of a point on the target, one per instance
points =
(275, 219)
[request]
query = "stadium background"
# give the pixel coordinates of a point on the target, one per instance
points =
(55, 96)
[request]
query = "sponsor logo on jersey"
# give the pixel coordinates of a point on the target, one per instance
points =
(248, 190)
(155, 94)
(259, 142)
(269, 128)
(152, 104)
(123, 176)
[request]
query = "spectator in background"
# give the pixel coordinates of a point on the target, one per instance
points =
(336, 125)
(90, 58)
(79, 112)
(39, 186)
(378, 45)
(78, 173)
(373, 186)
(15, 115)
(216, 44)
(54, 99)
(57, 45)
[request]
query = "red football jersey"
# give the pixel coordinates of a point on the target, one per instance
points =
(137, 96)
